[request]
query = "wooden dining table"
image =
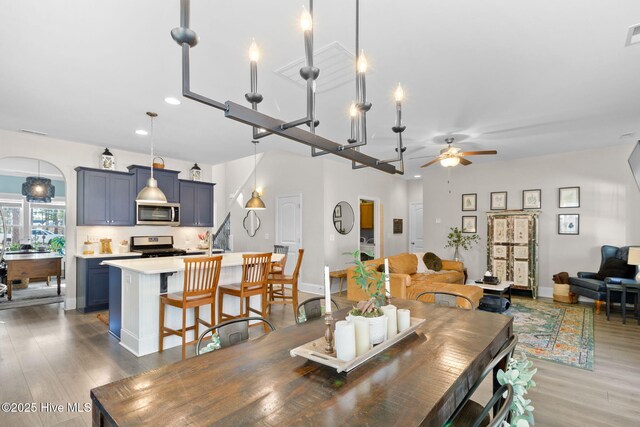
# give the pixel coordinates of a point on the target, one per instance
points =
(418, 381)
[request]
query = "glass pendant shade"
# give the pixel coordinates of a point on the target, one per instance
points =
(151, 193)
(450, 162)
(38, 189)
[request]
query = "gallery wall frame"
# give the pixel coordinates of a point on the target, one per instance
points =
(470, 224)
(499, 201)
(569, 224)
(470, 202)
(532, 199)
(569, 197)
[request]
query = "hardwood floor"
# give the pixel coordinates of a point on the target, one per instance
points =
(48, 355)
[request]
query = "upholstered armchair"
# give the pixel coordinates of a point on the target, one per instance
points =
(594, 285)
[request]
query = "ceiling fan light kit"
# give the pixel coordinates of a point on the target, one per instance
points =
(452, 156)
(264, 125)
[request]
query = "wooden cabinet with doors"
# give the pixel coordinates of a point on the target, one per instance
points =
(512, 248)
(366, 215)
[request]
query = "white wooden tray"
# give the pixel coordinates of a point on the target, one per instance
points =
(314, 350)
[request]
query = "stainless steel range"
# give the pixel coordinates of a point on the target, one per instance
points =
(155, 246)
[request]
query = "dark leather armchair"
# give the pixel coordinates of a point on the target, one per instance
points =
(589, 286)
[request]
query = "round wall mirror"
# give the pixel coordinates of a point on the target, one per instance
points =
(251, 223)
(343, 218)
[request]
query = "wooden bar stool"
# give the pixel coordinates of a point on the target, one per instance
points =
(255, 269)
(277, 286)
(278, 266)
(200, 284)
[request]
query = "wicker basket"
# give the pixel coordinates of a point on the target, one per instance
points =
(157, 165)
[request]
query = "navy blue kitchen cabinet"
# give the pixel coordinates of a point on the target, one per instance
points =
(105, 197)
(196, 204)
(167, 181)
(92, 284)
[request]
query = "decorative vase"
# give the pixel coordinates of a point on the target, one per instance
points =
(456, 255)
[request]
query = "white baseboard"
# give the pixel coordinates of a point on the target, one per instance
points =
(545, 292)
(311, 288)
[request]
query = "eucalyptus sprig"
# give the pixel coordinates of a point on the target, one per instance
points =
(520, 375)
(456, 239)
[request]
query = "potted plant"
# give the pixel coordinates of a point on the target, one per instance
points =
(57, 244)
(456, 239)
(372, 283)
(520, 375)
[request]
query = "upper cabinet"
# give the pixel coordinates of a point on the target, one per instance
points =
(196, 203)
(105, 197)
(167, 181)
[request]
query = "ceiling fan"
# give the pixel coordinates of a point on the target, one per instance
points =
(452, 156)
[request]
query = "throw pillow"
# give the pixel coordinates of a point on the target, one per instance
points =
(422, 268)
(380, 268)
(432, 261)
(613, 267)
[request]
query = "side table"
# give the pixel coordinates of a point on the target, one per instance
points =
(500, 289)
(339, 274)
(624, 288)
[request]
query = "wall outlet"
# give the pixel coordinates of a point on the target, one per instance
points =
(332, 237)
(438, 220)
(93, 239)
(266, 236)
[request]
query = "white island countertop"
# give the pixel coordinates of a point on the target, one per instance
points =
(171, 264)
(131, 254)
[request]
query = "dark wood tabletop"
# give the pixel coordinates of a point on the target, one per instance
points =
(420, 380)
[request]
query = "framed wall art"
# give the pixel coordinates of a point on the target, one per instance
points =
(531, 199)
(569, 224)
(499, 201)
(569, 197)
(469, 202)
(397, 226)
(469, 224)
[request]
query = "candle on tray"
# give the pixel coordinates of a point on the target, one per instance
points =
(327, 290)
(404, 319)
(392, 324)
(345, 337)
(361, 325)
(387, 285)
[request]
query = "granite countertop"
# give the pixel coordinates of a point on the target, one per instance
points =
(172, 264)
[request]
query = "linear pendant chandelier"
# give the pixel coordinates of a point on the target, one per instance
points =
(264, 125)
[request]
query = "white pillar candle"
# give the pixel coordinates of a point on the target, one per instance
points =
(387, 285)
(327, 290)
(345, 336)
(363, 344)
(404, 319)
(392, 323)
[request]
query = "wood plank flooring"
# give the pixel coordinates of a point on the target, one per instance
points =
(48, 355)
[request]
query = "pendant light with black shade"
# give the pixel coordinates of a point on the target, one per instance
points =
(151, 193)
(38, 189)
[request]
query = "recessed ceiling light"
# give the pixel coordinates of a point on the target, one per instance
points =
(417, 176)
(172, 101)
(142, 132)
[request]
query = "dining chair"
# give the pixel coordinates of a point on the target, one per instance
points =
(278, 284)
(469, 411)
(449, 299)
(201, 277)
(312, 309)
(232, 332)
(255, 269)
(278, 266)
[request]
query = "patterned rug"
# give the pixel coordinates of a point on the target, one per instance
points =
(561, 333)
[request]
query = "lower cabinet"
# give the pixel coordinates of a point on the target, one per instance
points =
(92, 284)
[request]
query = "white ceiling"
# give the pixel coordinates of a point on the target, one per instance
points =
(525, 78)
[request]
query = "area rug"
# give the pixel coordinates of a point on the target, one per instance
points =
(561, 333)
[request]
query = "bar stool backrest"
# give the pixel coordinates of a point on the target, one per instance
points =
(201, 276)
(255, 270)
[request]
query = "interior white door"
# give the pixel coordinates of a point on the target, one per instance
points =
(416, 239)
(289, 227)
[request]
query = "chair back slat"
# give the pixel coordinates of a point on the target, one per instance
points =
(255, 270)
(201, 276)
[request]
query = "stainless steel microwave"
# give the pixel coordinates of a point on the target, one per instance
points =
(157, 213)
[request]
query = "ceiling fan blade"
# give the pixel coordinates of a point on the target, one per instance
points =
(422, 157)
(436, 160)
(464, 161)
(477, 153)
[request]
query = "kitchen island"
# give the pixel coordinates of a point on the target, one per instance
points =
(35, 264)
(134, 304)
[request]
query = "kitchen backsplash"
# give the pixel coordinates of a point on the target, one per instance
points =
(183, 237)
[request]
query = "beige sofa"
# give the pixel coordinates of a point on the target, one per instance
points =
(409, 277)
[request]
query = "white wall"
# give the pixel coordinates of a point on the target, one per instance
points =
(609, 206)
(322, 183)
(414, 191)
(66, 156)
